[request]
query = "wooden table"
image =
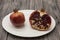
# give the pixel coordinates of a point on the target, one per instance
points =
(52, 6)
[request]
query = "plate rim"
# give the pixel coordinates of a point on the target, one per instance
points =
(28, 36)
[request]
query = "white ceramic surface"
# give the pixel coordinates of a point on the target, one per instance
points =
(26, 31)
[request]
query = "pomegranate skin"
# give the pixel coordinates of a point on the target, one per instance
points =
(17, 19)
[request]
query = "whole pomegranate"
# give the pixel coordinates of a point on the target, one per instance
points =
(17, 18)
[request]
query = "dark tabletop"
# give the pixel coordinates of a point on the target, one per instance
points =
(52, 6)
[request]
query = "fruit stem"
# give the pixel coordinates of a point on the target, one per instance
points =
(15, 10)
(42, 10)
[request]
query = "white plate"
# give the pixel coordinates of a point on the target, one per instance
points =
(27, 31)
